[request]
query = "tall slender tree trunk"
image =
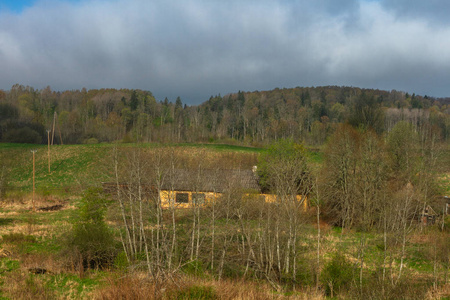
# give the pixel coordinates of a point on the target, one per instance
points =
(129, 252)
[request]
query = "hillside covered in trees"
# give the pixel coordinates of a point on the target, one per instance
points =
(309, 114)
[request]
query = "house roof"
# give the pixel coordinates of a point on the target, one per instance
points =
(202, 180)
(429, 211)
(210, 180)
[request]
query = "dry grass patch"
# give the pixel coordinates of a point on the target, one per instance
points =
(21, 284)
(140, 286)
(26, 203)
(37, 230)
(19, 217)
(46, 262)
(441, 292)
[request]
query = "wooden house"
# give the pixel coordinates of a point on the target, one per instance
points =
(186, 187)
(183, 188)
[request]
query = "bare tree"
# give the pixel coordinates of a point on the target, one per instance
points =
(285, 171)
(340, 175)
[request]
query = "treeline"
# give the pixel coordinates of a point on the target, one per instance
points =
(307, 114)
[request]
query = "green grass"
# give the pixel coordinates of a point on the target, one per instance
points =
(72, 286)
(223, 147)
(18, 238)
(79, 166)
(8, 265)
(6, 221)
(71, 166)
(316, 157)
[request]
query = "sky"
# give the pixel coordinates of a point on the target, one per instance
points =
(201, 48)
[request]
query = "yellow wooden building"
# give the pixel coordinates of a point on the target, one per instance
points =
(184, 188)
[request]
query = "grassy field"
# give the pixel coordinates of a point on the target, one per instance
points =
(69, 166)
(75, 167)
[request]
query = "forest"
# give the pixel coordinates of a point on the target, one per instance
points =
(255, 118)
(315, 193)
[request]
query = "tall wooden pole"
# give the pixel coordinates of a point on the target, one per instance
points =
(48, 149)
(53, 129)
(34, 169)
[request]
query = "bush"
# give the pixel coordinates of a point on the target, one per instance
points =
(337, 275)
(22, 135)
(90, 244)
(306, 271)
(194, 267)
(121, 262)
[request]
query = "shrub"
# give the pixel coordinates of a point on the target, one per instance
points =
(22, 135)
(337, 275)
(121, 261)
(194, 268)
(90, 242)
(306, 271)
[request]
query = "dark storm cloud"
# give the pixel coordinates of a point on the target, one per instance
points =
(196, 48)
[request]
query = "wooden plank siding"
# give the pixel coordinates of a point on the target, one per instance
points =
(183, 188)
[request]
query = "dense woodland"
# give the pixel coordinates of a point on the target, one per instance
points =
(306, 114)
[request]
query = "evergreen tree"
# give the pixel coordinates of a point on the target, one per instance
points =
(134, 101)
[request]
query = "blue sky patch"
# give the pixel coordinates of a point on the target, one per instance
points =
(16, 6)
